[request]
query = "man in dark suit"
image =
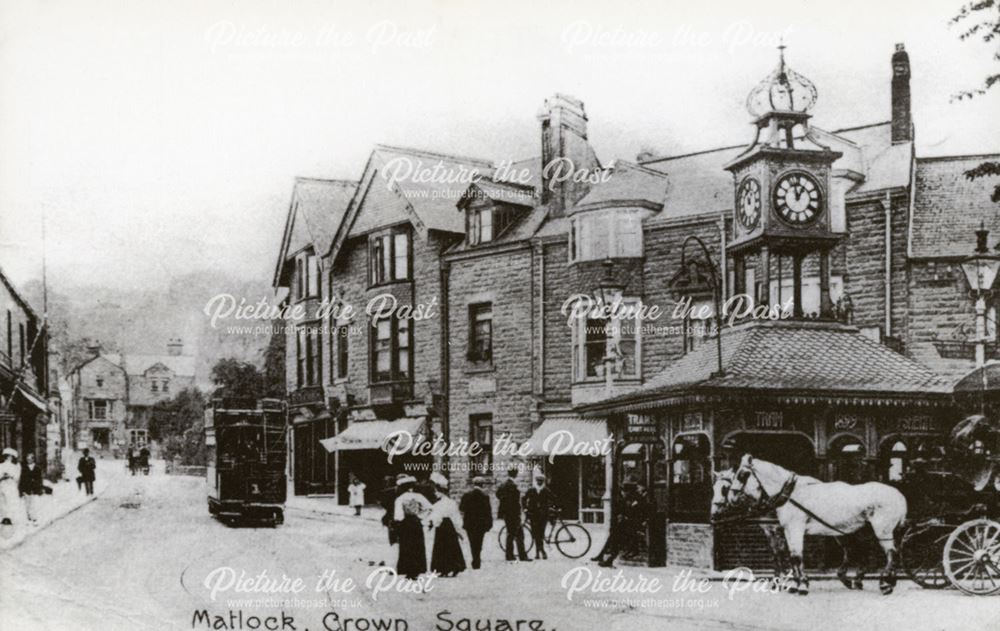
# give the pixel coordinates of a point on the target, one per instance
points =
(510, 512)
(477, 515)
(87, 468)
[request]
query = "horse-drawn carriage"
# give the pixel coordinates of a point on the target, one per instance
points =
(952, 536)
(947, 509)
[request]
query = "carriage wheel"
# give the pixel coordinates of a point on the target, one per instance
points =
(921, 554)
(972, 557)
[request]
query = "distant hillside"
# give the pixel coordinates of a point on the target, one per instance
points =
(141, 321)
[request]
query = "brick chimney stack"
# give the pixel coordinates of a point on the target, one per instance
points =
(564, 135)
(902, 116)
(94, 348)
(175, 347)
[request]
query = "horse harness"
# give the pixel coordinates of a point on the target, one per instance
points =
(784, 496)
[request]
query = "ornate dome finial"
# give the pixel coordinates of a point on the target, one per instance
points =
(784, 90)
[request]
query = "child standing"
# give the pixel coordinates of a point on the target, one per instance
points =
(356, 491)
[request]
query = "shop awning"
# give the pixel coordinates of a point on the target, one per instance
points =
(372, 434)
(33, 399)
(576, 431)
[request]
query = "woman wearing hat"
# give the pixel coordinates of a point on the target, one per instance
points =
(447, 558)
(11, 508)
(409, 512)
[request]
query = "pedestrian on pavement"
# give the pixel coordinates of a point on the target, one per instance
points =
(356, 490)
(510, 512)
(539, 504)
(11, 507)
(144, 460)
(387, 500)
(447, 558)
(626, 515)
(478, 518)
(30, 486)
(409, 512)
(87, 468)
(131, 460)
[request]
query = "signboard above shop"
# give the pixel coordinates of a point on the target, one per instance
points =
(641, 428)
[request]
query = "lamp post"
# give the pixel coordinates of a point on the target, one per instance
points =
(714, 282)
(981, 270)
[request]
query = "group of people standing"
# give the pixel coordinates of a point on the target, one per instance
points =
(20, 486)
(410, 507)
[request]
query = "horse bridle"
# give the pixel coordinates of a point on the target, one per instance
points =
(743, 474)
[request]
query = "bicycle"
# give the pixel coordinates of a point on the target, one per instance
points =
(572, 539)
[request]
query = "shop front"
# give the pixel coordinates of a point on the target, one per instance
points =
(360, 451)
(579, 482)
(862, 412)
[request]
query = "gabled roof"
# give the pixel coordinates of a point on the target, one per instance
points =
(111, 358)
(16, 295)
(949, 207)
(402, 184)
(316, 210)
(700, 184)
(780, 356)
(180, 365)
(626, 183)
(499, 191)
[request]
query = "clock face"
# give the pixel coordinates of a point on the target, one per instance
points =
(797, 198)
(748, 203)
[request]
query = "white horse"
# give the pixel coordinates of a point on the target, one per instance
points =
(831, 509)
(721, 500)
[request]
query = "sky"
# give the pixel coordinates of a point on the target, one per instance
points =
(161, 138)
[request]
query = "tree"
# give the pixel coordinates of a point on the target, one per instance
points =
(179, 425)
(981, 19)
(238, 379)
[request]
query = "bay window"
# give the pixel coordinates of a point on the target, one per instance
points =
(602, 234)
(389, 256)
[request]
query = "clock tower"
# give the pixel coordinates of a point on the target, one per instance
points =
(782, 181)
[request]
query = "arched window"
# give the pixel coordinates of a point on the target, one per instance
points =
(897, 462)
(847, 460)
(690, 477)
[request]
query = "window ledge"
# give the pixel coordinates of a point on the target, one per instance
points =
(601, 381)
(476, 369)
(389, 283)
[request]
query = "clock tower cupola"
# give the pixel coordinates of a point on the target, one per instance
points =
(781, 212)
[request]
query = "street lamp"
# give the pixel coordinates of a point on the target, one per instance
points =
(981, 270)
(714, 281)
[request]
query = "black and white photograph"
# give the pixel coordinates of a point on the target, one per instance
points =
(445, 315)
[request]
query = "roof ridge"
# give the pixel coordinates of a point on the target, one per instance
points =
(434, 154)
(971, 156)
(340, 181)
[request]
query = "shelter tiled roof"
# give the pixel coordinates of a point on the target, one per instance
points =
(782, 356)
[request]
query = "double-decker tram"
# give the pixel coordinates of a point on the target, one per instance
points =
(246, 443)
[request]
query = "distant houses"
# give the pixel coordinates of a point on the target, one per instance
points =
(113, 395)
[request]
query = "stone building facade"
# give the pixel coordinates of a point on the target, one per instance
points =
(506, 251)
(24, 389)
(100, 402)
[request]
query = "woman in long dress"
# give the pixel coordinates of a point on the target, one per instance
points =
(447, 558)
(409, 513)
(11, 507)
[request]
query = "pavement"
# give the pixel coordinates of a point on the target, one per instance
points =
(66, 497)
(146, 555)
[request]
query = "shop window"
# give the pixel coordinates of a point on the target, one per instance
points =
(897, 464)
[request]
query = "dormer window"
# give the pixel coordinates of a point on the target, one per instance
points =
(598, 235)
(306, 276)
(480, 225)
